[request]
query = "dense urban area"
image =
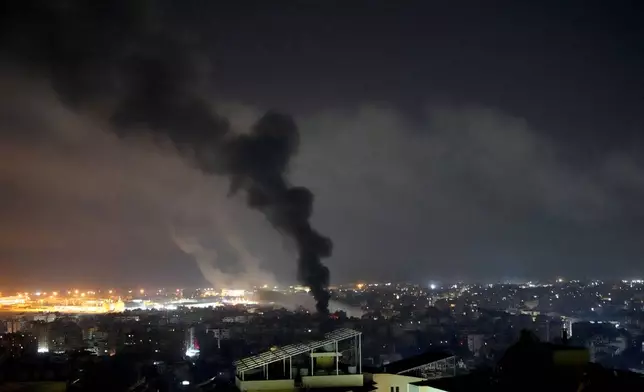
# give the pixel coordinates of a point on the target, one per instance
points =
(408, 167)
(192, 337)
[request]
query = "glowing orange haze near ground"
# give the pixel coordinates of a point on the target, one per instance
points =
(72, 302)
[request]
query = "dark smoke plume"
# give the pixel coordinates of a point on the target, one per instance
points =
(144, 64)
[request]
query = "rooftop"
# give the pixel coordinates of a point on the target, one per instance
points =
(461, 383)
(594, 378)
(282, 353)
(411, 363)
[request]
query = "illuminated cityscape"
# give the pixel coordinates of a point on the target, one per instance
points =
(73, 301)
(115, 301)
(463, 325)
(76, 301)
(321, 196)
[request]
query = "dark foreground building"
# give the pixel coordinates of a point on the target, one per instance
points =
(530, 365)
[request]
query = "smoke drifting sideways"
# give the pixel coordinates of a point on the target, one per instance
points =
(208, 260)
(146, 71)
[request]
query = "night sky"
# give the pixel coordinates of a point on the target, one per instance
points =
(442, 140)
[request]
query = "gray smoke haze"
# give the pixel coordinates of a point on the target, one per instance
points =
(213, 266)
(468, 192)
(207, 260)
(126, 61)
(434, 199)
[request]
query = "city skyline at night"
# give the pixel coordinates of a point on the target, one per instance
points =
(438, 143)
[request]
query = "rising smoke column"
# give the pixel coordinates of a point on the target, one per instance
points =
(127, 59)
(210, 263)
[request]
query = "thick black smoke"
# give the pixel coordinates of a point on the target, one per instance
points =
(143, 64)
